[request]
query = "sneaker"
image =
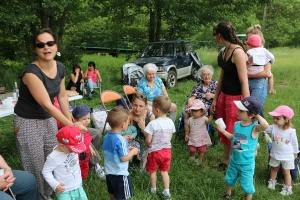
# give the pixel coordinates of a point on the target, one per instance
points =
(226, 196)
(100, 172)
(93, 92)
(166, 195)
(222, 167)
(286, 191)
(198, 162)
(272, 184)
(152, 191)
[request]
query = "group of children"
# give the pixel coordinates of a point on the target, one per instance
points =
(64, 169)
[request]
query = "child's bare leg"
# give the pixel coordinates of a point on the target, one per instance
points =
(192, 154)
(166, 179)
(111, 197)
(228, 189)
(201, 154)
(271, 84)
(153, 179)
(248, 197)
(274, 171)
(287, 177)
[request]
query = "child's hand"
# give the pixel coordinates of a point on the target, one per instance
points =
(60, 188)
(220, 129)
(186, 137)
(92, 152)
(128, 137)
(134, 150)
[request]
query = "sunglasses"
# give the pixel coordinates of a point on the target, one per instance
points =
(42, 44)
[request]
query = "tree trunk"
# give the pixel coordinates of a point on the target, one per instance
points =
(62, 26)
(158, 25)
(151, 25)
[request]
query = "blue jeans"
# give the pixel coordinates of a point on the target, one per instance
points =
(258, 89)
(25, 187)
(90, 86)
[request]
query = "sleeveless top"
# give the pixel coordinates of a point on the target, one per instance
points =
(198, 133)
(93, 75)
(77, 84)
(230, 84)
(27, 107)
(140, 135)
(243, 145)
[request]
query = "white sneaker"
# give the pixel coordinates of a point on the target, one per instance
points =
(272, 184)
(100, 172)
(166, 195)
(286, 191)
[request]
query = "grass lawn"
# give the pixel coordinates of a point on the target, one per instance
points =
(188, 181)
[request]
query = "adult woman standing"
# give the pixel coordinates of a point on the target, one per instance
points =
(232, 83)
(141, 117)
(34, 122)
(204, 90)
(258, 82)
(76, 79)
(152, 86)
(91, 75)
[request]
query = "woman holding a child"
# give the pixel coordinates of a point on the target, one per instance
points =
(141, 116)
(34, 120)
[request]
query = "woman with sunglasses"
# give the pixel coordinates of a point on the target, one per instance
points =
(232, 83)
(35, 120)
(141, 116)
(91, 75)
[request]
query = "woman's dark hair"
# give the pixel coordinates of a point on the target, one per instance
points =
(75, 66)
(226, 29)
(92, 63)
(41, 31)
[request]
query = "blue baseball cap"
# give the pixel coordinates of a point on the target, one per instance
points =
(250, 104)
(80, 111)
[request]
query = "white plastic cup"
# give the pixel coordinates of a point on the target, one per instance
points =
(221, 123)
(15, 96)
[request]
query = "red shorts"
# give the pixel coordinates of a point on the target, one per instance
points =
(201, 149)
(159, 159)
(227, 110)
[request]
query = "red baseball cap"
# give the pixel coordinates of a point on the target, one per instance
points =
(72, 138)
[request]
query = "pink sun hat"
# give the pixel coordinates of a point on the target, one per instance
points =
(197, 105)
(283, 111)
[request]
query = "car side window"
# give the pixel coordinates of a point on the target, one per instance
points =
(179, 49)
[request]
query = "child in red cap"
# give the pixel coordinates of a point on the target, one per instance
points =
(61, 169)
(284, 147)
(261, 56)
(196, 133)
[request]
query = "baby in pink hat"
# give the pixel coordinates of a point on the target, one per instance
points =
(284, 147)
(196, 134)
(261, 56)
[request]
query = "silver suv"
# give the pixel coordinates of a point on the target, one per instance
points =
(174, 60)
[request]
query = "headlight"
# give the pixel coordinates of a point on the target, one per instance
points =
(160, 68)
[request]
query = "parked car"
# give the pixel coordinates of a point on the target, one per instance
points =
(174, 60)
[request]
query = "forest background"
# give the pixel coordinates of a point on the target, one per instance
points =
(133, 23)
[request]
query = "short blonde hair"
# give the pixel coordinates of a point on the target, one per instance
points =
(256, 29)
(117, 116)
(163, 103)
(150, 67)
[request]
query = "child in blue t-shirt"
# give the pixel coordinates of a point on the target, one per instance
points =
(117, 154)
(244, 141)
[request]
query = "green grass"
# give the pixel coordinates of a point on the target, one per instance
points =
(188, 181)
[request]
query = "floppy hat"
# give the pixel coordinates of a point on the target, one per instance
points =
(254, 40)
(80, 111)
(197, 105)
(283, 111)
(72, 138)
(249, 104)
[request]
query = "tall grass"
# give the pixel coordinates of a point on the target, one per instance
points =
(188, 181)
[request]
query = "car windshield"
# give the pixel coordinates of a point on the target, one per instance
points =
(159, 50)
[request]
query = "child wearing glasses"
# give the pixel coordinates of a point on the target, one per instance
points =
(284, 147)
(244, 140)
(196, 133)
(61, 169)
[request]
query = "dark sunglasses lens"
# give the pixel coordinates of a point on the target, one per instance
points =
(42, 44)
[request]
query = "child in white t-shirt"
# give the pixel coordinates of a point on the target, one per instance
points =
(261, 56)
(61, 169)
(284, 147)
(159, 133)
(196, 133)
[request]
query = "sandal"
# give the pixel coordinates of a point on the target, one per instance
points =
(272, 91)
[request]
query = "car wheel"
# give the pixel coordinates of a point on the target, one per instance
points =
(171, 79)
(194, 73)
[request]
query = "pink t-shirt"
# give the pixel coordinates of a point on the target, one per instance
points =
(93, 75)
(198, 133)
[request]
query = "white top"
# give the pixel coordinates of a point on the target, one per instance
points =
(161, 130)
(284, 143)
(62, 168)
(261, 56)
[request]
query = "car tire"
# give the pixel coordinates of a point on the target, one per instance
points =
(194, 72)
(171, 79)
